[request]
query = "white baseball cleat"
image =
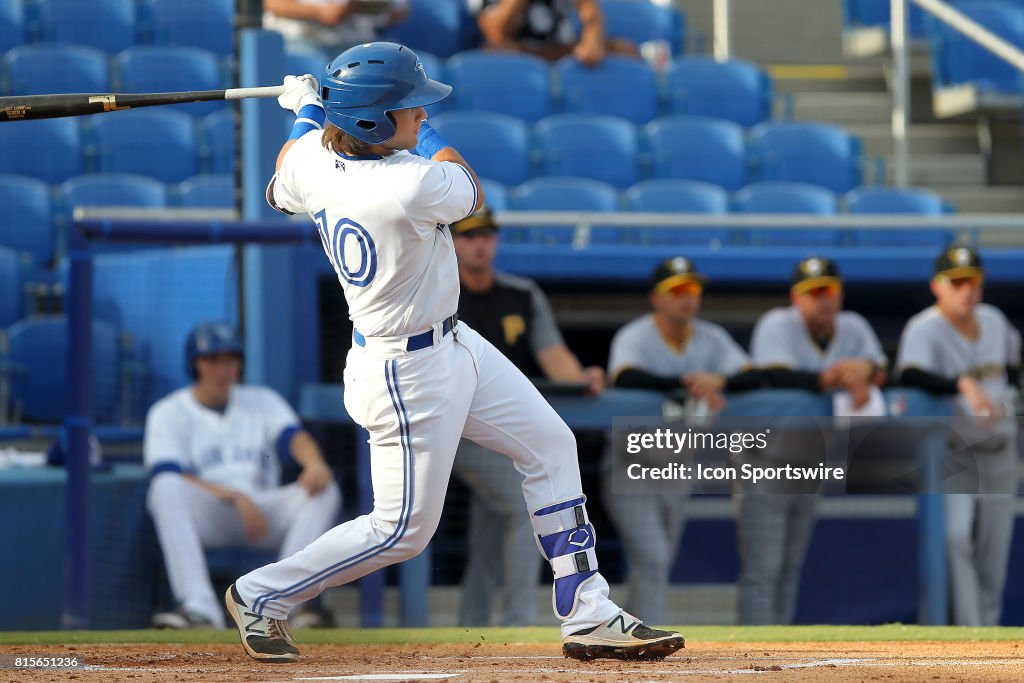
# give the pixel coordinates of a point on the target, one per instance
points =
(264, 639)
(624, 637)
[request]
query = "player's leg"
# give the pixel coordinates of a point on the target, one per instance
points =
(761, 519)
(999, 480)
(500, 540)
(295, 517)
(994, 533)
(509, 415)
(414, 407)
(482, 579)
(960, 550)
(186, 519)
(644, 540)
(799, 527)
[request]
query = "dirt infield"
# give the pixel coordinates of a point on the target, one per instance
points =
(487, 662)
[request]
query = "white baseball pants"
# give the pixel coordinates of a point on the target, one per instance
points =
(189, 519)
(416, 406)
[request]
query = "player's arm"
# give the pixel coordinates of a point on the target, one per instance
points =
(591, 47)
(301, 96)
(315, 475)
(434, 147)
(498, 22)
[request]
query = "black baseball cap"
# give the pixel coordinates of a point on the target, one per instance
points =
(815, 272)
(479, 223)
(672, 272)
(959, 261)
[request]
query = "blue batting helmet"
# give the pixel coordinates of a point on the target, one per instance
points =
(208, 339)
(362, 84)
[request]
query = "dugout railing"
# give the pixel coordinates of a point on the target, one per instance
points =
(135, 227)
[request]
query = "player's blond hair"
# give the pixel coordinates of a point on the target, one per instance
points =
(336, 140)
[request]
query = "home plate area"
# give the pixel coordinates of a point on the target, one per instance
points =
(500, 662)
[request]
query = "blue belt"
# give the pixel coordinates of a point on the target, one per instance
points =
(417, 341)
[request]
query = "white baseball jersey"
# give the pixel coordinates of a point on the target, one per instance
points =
(931, 343)
(237, 449)
(383, 222)
(709, 349)
(781, 339)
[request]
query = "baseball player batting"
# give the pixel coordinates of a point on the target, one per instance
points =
(416, 378)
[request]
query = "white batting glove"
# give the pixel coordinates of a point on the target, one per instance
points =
(300, 91)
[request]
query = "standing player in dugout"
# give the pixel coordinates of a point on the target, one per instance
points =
(415, 377)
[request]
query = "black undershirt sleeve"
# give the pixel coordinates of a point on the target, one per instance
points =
(745, 380)
(787, 378)
(917, 378)
(633, 378)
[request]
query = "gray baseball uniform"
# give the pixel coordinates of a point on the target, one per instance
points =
(979, 528)
(774, 529)
(651, 525)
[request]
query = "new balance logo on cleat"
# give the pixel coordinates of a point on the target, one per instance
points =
(252, 626)
(622, 621)
(264, 639)
(624, 637)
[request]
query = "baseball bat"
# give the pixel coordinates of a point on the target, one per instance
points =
(26, 107)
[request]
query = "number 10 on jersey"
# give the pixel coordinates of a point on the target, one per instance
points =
(339, 241)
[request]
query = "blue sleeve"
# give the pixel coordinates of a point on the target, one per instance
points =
(284, 440)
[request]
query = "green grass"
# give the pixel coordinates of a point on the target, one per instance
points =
(694, 635)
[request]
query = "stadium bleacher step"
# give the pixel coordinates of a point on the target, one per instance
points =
(985, 199)
(958, 138)
(842, 107)
(942, 169)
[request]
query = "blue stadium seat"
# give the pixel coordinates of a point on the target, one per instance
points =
(735, 89)
(218, 141)
(152, 142)
(439, 27)
(48, 149)
(208, 24)
(215, 191)
(503, 82)
(12, 301)
(438, 70)
(598, 147)
(566, 194)
(307, 60)
(105, 24)
(698, 148)
(13, 29)
(863, 13)
(789, 197)
(495, 145)
(643, 21)
(150, 68)
(47, 68)
(816, 153)
(957, 59)
(28, 216)
(495, 195)
(619, 86)
(893, 200)
(679, 196)
(39, 384)
(110, 189)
